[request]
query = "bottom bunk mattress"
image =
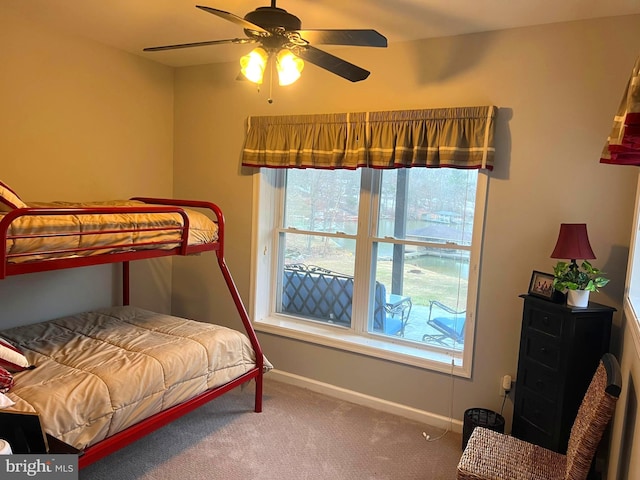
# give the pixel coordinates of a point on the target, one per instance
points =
(99, 372)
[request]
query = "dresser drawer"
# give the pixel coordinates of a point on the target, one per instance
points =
(538, 412)
(532, 434)
(545, 322)
(542, 350)
(540, 381)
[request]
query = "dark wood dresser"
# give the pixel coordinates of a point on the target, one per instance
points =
(560, 347)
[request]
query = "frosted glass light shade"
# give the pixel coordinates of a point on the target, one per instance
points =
(253, 64)
(289, 67)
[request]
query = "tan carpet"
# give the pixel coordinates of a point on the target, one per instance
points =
(299, 435)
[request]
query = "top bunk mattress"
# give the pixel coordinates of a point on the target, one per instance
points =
(99, 372)
(40, 237)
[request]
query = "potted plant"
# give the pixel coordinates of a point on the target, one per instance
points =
(577, 281)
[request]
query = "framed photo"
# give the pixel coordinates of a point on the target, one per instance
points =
(541, 285)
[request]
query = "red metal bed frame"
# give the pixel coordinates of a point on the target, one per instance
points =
(158, 205)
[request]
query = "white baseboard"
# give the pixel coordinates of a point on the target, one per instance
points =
(411, 413)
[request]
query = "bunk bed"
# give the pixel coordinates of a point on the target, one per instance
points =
(44, 237)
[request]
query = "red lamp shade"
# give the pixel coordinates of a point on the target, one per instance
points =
(573, 242)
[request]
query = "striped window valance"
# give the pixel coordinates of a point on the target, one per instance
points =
(445, 137)
(623, 145)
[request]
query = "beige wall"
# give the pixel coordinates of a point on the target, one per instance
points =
(557, 87)
(82, 121)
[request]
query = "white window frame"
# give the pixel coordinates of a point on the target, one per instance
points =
(631, 303)
(267, 198)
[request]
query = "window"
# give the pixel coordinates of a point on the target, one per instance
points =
(368, 230)
(382, 262)
(632, 294)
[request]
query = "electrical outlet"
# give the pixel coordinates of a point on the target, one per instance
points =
(505, 385)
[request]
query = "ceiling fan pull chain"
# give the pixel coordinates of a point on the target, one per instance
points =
(271, 60)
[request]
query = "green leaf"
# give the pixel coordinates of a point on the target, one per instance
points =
(568, 276)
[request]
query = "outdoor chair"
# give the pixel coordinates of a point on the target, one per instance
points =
(447, 321)
(493, 455)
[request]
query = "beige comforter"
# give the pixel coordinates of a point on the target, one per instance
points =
(110, 231)
(100, 372)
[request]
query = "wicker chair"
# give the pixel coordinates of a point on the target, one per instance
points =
(492, 455)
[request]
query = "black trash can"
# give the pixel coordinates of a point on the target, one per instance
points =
(480, 417)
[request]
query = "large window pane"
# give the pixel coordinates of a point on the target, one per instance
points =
(421, 277)
(317, 278)
(322, 200)
(426, 280)
(431, 205)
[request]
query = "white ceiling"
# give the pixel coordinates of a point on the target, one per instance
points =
(132, 25)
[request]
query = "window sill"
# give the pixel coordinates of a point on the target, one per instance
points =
(386, 348)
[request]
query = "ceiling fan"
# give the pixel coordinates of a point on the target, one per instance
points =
(279, 32)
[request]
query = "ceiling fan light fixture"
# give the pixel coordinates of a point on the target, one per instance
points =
(289, 67)
(253, 65)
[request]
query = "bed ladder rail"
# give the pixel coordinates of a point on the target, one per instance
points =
(231, 285)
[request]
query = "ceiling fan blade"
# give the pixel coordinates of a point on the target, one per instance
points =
(235, 19)
(332, 63)
(360, 38)
(200, 44)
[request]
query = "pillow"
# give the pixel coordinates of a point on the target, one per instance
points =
(5, 402)
(11, 357)
(9, 199)
(6, 380)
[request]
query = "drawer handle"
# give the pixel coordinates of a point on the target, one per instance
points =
(540, 384)
(545, 320)
(543, 349)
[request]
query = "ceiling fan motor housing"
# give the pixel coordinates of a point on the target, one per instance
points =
(272, 18)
